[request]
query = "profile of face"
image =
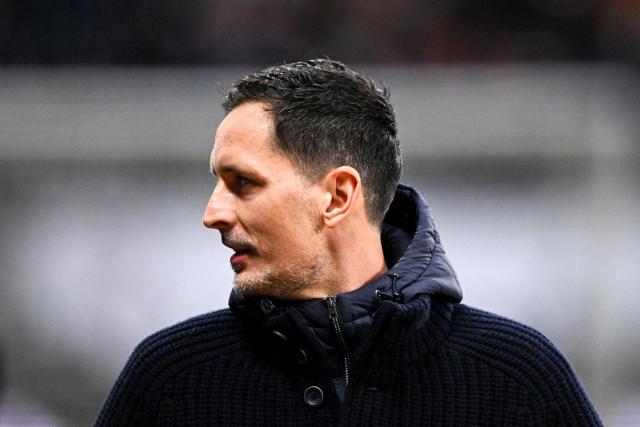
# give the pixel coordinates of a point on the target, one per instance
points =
(266, 212)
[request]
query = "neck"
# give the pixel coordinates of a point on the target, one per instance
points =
(356, 259)
(360, 268)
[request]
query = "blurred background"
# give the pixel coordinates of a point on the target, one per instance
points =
(519, 121)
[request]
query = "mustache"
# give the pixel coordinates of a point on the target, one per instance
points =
(235, 242)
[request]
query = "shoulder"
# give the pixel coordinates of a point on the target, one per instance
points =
(218, 325)
(519, 350)
(523, 354)
(202, 337)
(469, 324)
(165, 354)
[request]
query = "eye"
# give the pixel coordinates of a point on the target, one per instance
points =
(238, 183)
(243, 185)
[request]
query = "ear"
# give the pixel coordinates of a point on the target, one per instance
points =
(342, 190)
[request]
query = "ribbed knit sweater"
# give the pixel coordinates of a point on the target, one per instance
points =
(466, 367)
(416, 356)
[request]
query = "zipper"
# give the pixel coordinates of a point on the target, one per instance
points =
(333, 317)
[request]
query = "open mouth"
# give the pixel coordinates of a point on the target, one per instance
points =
(242, 250)
(239, 258)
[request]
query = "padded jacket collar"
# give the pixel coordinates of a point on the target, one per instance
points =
(419, 268)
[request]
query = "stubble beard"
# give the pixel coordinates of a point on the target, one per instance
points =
(288, 283)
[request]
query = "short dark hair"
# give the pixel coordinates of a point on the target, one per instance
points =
(326, 115)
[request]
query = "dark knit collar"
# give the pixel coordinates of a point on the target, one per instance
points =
(419, 271)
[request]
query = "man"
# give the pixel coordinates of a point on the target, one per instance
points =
(345, 309)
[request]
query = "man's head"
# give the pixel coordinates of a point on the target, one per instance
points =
(327, 115)
(306, 155)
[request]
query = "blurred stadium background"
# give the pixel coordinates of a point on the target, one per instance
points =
(518, 119)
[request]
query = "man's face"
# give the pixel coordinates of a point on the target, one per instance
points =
(265, 211)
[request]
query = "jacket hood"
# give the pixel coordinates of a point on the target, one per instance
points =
(418, 266)
(413, 249)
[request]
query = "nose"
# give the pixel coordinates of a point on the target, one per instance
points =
(219, 213)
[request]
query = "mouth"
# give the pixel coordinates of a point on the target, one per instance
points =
(239, 259)
(242, 249)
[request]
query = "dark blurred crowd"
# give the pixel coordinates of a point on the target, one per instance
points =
(264, 31)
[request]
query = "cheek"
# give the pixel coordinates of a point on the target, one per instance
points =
(266, 222)
(280, 217)
(285, 226)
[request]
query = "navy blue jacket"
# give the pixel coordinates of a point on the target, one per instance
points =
(398, 351)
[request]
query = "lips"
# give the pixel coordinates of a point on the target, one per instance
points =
(239, 257)
(242, 249)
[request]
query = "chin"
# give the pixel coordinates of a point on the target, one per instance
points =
(249, 284)
(263, 285)
(285, 282)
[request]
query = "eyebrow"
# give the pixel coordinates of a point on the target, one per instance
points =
(226, 169)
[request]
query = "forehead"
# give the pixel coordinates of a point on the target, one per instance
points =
(247, 131)
(249, 117)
